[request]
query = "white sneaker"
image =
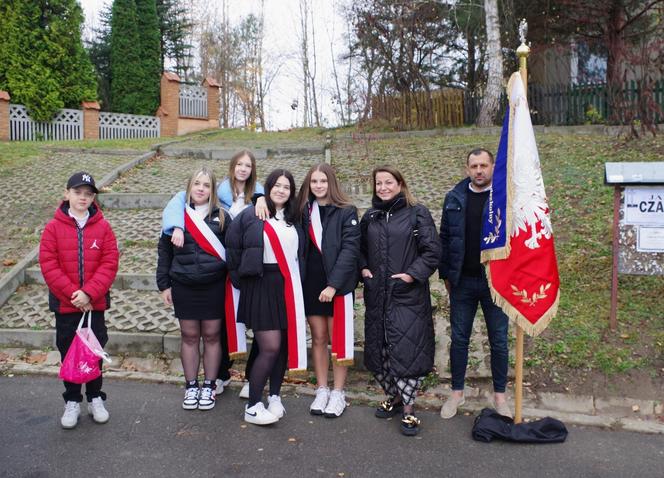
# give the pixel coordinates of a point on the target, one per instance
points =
(258, 415)
(275, 407)
(97, 410)
(336, 404)
(244, 393)
(221, 384)
(190, 401)
(320, 402)
(70, 417)
(206, 398)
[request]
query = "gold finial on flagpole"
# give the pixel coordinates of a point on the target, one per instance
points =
(523, 51)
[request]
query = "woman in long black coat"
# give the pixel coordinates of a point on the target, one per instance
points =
(400, 250)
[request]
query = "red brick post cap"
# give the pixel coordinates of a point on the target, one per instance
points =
(90, 105)
(209, 81)
(4, 95)
(171, 76)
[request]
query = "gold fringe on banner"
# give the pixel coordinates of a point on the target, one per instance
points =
(517, 317)
(342, 362)
(237, 355)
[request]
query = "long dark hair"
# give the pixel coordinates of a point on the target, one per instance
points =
(250, 184)
(290, 206)
(334, 192)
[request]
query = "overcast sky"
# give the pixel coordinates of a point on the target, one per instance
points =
(281, 45)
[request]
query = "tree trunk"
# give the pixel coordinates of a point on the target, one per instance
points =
(470, 68)
(494, 86)
(614, 64)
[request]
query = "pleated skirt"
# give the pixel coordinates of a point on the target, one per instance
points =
(262, 303)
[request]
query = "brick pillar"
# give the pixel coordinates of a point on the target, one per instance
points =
(90, 119)
(4, 116)
(213, 99)
(169, 109)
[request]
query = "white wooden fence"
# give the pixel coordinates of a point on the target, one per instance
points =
(124, 126)
(66, 125)
(193, 101)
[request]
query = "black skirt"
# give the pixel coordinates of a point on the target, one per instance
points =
(200, 301)
(314, 285)
(262, 302)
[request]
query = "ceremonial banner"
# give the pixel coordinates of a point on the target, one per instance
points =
(343, 339)
(209, 242)
(517, 239)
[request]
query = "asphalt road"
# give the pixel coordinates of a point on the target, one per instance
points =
(150, 435)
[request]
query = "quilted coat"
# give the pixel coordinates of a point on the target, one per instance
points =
(72, 258)
(397, 238)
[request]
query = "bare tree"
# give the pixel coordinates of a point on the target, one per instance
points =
(491, 100)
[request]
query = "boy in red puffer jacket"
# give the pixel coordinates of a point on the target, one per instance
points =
(78, 255)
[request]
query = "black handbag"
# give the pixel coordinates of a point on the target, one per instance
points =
(490, 424)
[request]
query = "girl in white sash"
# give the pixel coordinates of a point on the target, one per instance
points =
(264, 260)
(192, 279)
(236, 192)
(332, 258)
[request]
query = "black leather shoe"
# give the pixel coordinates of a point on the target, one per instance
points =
(410, 425)
(387, 408)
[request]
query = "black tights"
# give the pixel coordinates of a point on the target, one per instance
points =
(270, 363)
(191, 332)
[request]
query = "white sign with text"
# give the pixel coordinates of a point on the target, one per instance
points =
(644, 206)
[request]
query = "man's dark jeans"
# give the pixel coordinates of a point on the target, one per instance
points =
(463, 305)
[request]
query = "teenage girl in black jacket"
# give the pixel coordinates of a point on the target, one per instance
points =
(332, 271)
(192, 280)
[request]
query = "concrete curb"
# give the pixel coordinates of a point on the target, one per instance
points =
(367, 397)
(130, 281)
(115, 174)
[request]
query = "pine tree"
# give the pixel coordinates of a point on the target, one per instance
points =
(150, 55)
(99, 49)
(175, 28)
(126, 75)
(44, 65)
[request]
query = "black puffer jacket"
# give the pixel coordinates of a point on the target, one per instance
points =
(190, 264)
(453, 232)
(244, 242)
(341, 247)
(397, 238)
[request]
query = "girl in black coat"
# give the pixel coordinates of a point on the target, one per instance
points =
(192, 280)
(332, 274)
(255, 266)
(399, 251)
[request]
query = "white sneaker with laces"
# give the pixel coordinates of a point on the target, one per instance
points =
(275, 407)
(206, 398)
(258, 415)
(70, 417)
(97, 410)
(320, 402)
(190, 401)
(244, 393)
(336, 404)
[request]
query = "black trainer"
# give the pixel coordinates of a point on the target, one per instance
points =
(387, 408)
(410, 425)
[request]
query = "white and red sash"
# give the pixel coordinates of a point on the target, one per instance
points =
(210, 243)
(343, 339)
(297, 339)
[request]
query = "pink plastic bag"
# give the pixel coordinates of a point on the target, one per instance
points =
(81, 364)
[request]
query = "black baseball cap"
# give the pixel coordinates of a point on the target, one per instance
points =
(82, 179)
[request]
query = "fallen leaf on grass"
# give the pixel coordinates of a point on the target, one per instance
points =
(8, 262)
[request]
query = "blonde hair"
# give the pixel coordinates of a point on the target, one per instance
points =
(212, 200)
(410, 199)
(250, 184)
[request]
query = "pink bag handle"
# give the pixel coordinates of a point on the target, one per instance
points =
(101, 353)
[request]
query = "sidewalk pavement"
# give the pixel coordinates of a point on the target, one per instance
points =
(645, 416)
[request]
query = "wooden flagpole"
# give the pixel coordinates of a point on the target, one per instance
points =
(522, 52)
